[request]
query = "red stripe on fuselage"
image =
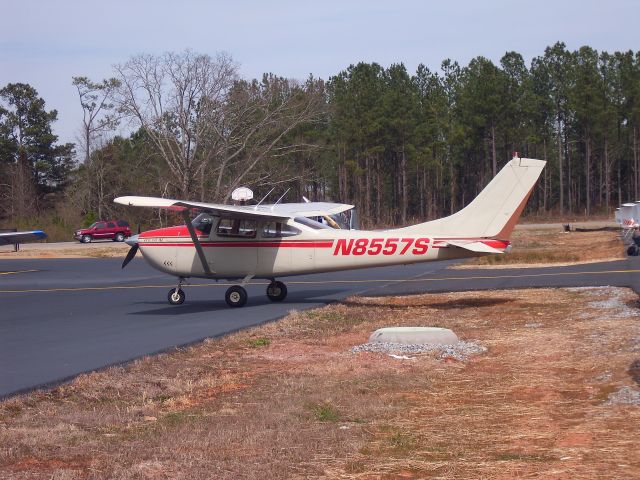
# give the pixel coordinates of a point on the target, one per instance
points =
(179, 231)
(300, 244)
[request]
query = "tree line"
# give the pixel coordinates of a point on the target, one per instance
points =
(401, 146)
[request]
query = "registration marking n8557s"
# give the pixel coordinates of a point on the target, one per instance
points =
(377, 246)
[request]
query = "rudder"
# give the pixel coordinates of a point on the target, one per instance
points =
(495, 211)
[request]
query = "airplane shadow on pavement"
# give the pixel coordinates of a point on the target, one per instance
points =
(457, 303)
(307, 297)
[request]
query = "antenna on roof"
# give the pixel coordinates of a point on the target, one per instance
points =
(264, 198)
(281, 197)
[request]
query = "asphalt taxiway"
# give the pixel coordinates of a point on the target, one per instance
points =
(62, 317)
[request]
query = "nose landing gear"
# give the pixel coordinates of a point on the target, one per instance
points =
(176, 295)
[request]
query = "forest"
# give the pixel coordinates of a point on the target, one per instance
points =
(401, 146)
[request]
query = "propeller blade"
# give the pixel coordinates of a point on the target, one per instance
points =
(132, 253)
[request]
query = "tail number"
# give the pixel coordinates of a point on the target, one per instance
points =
(377, 246)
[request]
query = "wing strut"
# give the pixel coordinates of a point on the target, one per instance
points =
(196, 242)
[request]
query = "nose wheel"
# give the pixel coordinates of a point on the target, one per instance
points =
(236, 296)
(276, 291)
(176, 296)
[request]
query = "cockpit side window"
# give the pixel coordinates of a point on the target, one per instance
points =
(278, 230)
(236, 227)
(203, 222)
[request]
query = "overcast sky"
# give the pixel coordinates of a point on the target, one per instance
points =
(45, 43)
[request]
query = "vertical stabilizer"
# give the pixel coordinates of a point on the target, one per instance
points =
(495, 211)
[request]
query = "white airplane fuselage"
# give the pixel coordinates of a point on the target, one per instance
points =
(270, 241)
(171, 250)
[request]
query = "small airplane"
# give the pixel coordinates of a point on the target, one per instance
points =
(7, 238)
(244, 242)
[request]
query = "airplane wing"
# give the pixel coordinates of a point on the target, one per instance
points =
(281, 211)
(7, 238)
(474, 246)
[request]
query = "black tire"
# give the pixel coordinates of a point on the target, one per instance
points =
(236, 296)
(86, 238)
(119, 237)
(176, 297)
(276, 291)
(632, 251)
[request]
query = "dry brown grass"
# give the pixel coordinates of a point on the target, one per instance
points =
(543, 246)
(289, 399)
(72, 250)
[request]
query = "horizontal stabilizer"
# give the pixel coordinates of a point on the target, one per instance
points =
(474, 246)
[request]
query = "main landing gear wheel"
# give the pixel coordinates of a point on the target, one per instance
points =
(236, 296)
(176, 296)
(277, 291)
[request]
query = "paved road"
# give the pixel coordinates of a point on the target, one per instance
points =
(63, 317)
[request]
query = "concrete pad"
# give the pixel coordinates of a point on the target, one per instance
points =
(414, 335)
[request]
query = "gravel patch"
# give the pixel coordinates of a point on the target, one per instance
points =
(605, 377)
(534, 325)
(459, 351)
(614, 302)
(624, 396)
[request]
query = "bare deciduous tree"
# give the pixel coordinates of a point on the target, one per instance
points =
(258, 126)
(211, 128)
(169, 96)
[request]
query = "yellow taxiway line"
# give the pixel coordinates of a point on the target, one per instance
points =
(320, 282)
(18, 271)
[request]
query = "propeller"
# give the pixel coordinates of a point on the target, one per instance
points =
(133, 241)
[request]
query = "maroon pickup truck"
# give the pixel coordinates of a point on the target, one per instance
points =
(116, 230)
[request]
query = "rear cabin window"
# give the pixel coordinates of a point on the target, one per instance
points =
(278, 230)
(235, 227)
(111, 225)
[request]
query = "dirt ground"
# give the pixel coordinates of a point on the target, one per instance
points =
(555, 395)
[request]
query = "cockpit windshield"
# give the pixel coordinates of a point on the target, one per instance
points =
(203, 222)
(311, 223)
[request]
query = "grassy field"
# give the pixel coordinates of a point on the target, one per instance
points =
(551, 245)
(552, 397)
